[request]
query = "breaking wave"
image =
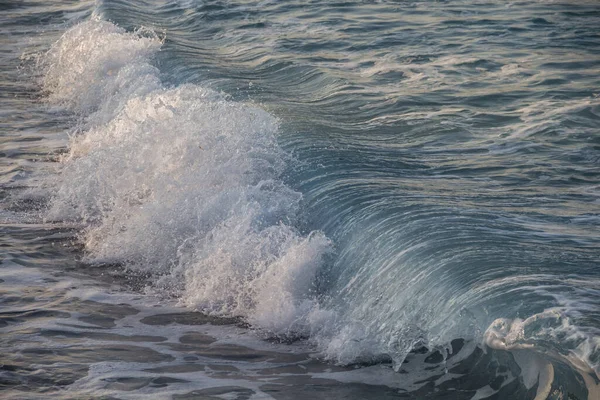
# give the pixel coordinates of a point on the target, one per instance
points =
(186, 186)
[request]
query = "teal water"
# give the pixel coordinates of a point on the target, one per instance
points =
(357, 181)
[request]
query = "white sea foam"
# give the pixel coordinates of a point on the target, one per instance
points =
(97, 64)
(179, 183)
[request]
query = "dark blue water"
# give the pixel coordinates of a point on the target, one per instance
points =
(383, 185)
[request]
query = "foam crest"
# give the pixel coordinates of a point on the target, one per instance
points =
(96, 63)
(259, 275)
(179, 183)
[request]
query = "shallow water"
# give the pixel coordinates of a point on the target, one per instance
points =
(300, 200)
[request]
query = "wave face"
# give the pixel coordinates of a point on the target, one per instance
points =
(409, 194)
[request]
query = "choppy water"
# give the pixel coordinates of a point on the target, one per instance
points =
(288, 200)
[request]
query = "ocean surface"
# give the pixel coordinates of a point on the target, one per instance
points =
(282, 200)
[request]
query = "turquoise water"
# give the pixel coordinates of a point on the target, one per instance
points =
(369, 186)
